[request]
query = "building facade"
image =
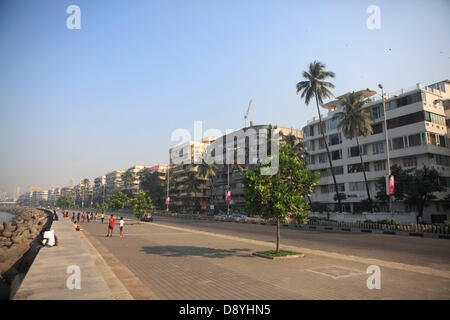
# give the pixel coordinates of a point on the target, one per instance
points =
(244, 147)
(417, 123)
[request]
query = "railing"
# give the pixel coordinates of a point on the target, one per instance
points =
(346, 226)
(430, 228)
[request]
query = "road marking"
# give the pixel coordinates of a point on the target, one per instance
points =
(368, 261)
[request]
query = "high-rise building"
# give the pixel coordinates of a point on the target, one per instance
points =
(184, 159)
(418, 131)
(245, 147)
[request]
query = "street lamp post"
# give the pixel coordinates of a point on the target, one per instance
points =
(387, 150)
(167, 192)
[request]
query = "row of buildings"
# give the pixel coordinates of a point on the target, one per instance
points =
(418, 124)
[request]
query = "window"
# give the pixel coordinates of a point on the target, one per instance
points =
(432, 139)
(379, 165)
(398, 143)
(404, 101)
(311, 130)
(310, 145)
(338, 170)
(357, 186)
(410, 162)
(353, 151)
(336, 155)
(334, 139)
(414, 140)
(354, 168)
(406, 120)
(377, 111)
(434, 118)
(310, 160)
(442, 160)
(321, 144)
(332, 124)
(378, 148)
(377, 128)
(323, 158)
(443, 141)
(327, 172)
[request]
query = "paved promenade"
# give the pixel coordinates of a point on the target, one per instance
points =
(171, 260)
(47, 277)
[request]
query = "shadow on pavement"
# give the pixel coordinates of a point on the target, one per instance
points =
(182, 251)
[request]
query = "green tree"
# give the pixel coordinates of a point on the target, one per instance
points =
(117, 201)
(141, 204)
(65, 201)
(153, 184)
(316, 86)
(415, 186)
(282, 194)
(354, 121)
(207, 171)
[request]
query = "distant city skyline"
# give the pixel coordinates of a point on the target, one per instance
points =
(82, 103)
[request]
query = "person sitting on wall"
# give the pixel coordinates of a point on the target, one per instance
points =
(49, 240)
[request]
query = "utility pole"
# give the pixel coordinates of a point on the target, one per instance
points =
(167, 192)
(228, 188)
(387, 151)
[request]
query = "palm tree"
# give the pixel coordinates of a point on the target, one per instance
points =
(353, 121)
(192, 186)
(315, 86)
(206, 171)
(127, 179)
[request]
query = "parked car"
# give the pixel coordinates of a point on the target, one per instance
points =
(148, 217)
(222, 213)
(239, 214)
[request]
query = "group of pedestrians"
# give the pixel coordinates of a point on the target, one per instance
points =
(78, 217)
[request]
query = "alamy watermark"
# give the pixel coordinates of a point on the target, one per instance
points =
(374, 281)
(230, 148)
(74, 280)
(374, 20)
(74, 20)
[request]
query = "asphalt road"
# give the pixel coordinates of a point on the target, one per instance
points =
(428, 252)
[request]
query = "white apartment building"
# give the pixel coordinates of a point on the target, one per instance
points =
(114, 181)
(418, 131)
(134, 187)
(250, 145)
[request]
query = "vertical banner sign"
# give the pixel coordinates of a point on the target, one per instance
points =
(167, 200)
(229, 196)
(391, 185)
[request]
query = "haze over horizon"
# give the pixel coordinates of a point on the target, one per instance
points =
(81, 103)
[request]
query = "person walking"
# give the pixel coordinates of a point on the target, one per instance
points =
(112, 220)
(103, 217)
(78, 216)
(83, 216)
(121, 223)
(88, 216)
(96, 216)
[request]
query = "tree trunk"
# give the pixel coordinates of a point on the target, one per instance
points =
(328, 154)
(278, 234)
(364, 171)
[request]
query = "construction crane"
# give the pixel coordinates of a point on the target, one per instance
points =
(248, 110)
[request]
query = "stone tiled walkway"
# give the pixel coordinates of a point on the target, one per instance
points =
(181, 263)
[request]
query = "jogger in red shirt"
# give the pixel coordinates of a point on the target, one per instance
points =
(111, 226)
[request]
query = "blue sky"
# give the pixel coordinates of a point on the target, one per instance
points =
(80, 103)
